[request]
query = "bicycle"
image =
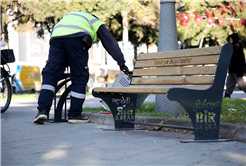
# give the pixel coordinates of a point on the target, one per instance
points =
(7, 56)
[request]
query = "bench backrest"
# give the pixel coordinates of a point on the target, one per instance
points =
(188, 67)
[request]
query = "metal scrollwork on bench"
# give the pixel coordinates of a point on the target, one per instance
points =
(205, 119)
(122, 107)
(125, 113)
(204, 112)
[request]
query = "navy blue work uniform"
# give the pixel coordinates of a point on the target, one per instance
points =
(70, 49)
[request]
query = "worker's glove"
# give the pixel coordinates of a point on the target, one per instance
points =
(125, 69)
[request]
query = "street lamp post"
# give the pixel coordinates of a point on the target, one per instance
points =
(168, 41)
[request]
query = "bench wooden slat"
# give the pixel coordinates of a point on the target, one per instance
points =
(149, 89)
(198, 70)
(182, 53)
(179, 80)
(178, 61)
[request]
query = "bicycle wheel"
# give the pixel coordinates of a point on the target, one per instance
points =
(6, 94)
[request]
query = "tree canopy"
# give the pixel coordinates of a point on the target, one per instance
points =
(213, 35)
(43, 15)
(142, 17)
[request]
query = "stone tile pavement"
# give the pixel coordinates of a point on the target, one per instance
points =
(25, 143)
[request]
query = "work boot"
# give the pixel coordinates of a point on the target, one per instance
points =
(227, 95)
(41, 117)
(78, 119)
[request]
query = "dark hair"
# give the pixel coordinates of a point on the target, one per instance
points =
(234, 37)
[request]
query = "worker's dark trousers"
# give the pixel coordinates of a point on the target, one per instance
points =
(62, 52)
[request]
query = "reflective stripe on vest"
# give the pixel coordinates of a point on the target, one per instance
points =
(67, 24)
(73, 27)
(82, 17)
(48, 87)
(77, 95)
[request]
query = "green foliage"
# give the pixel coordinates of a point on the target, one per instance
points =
(144, 22)
(192, 34)
(114, 25)
(24, 96)
(45, 14)
(143, 17)
(148, 109)
(233, 110)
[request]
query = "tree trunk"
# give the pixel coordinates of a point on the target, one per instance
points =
(4, 29)
(5, 35)
(135, 54)
(124, 15)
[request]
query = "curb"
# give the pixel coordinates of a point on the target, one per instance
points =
(227, 130)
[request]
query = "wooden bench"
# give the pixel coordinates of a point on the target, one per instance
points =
(193, 77)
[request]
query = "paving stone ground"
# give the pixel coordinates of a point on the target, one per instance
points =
(25, 143)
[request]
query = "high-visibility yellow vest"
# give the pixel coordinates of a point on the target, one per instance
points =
(75, 22)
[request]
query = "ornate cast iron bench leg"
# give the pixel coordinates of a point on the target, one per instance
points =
(204, 110)
(204, 106)
(122, 107)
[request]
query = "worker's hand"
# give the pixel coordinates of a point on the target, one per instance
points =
(125, 69)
